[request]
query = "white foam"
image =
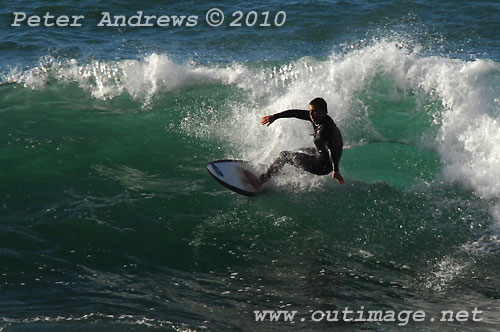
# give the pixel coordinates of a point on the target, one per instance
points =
(445, 272)
(469, 136)
(127, 319)
(141, 79)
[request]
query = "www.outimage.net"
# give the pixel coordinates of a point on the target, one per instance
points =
(362, 315)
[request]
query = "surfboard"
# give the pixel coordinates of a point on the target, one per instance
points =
(237, 175)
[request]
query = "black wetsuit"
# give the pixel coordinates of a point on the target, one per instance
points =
(320, 160)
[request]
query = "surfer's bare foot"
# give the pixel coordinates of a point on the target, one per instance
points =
(337, 176)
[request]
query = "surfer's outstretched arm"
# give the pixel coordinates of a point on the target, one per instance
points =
(299, 114)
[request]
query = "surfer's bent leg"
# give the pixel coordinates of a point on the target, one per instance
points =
(285, 157)
(313, 163)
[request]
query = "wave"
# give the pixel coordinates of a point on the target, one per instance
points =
(384, 91)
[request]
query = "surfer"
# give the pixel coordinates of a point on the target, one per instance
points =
(327, 139)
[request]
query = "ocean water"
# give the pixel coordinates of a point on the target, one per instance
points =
(110, 221)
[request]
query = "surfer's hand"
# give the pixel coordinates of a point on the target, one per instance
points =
(337, 176)
(268, 119)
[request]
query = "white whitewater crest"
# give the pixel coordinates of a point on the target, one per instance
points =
(142, 80)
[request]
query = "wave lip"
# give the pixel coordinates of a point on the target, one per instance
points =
(141, 79)
(469, 136)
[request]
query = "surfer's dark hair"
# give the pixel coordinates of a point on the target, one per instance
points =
(319, 104)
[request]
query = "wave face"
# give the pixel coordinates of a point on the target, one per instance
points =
(110, 220)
